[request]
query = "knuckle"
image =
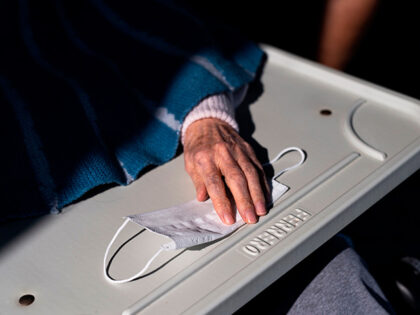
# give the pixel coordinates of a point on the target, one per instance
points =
(201, 157)
(259, 199)
(220, 204)
(236, 177)
(213, 179)
(188, 168)
(221, 209)
(245, 203)
(249, 169)
(257, 194)
(221, 148)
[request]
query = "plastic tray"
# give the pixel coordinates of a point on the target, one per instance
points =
(368, 144)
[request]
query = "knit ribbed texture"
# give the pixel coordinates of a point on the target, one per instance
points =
(95, 91)
(220, 106)
(216, 106)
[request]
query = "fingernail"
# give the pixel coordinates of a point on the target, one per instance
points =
(260, 208)
(250, 217)
(228, 218)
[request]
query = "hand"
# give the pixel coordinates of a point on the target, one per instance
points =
(216, 155)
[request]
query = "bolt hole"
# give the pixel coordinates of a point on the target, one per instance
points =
(325, 112)
(26, 299)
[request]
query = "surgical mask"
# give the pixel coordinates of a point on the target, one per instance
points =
(192, 223)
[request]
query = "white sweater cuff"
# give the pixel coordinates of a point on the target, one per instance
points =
(220, 106)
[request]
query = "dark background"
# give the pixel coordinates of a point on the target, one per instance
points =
(388, 55)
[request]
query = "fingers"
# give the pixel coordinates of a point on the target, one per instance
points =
(200, 187)
(215, 187)
(261, 174)
(244, 179)
(237, 182)
(254, 185)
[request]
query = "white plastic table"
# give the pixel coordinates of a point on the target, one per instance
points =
(364, 144)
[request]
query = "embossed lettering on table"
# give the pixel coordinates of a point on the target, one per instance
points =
(276, 232)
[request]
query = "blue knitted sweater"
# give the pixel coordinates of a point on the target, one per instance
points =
(92, 92)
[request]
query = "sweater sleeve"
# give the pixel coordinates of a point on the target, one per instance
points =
(220, 106)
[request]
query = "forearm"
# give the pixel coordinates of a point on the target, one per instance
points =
(344, 23)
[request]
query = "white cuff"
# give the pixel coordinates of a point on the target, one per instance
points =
(220, 106)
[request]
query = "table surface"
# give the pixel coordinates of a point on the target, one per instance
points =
(366, 146)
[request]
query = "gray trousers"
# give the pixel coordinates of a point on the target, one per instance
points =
(333, 280)
(344, 286)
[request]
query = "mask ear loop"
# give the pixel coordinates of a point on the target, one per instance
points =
(107, 277)
(283, 152)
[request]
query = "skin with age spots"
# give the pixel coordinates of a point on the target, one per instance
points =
(221, 164)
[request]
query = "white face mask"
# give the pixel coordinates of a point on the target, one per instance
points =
(193, 223)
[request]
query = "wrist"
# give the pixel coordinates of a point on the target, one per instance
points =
(203, 127)
(216, 106)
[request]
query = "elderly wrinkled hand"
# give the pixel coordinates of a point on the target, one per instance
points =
(222, 164)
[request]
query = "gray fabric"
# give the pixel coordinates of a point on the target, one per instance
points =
(344, 286)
